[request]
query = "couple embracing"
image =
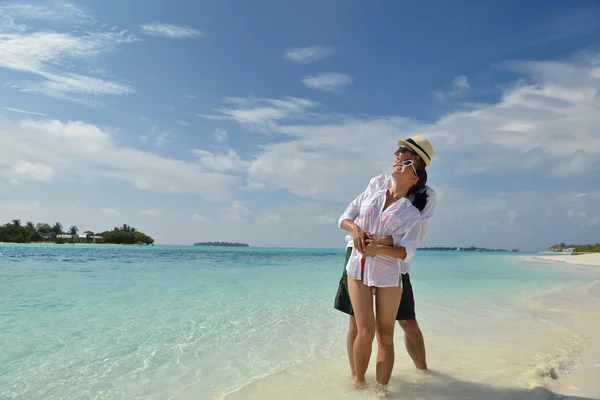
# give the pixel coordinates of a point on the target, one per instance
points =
(387, 222)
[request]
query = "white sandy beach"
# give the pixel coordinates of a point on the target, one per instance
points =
(589, 259)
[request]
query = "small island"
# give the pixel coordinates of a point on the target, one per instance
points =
(470, 248)
(221, 244)
(574, 248)
(15, 232)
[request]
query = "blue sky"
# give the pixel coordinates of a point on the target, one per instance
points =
(259, 121)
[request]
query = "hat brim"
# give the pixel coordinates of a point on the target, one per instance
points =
(421, 154)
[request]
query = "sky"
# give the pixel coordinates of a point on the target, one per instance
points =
(259, 122)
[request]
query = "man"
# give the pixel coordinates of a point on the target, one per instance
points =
(419, 149)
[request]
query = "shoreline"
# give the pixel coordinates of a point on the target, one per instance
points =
(573, 368)
(584, 259)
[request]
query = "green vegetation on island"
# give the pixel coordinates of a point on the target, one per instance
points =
(221, 244)
(470, 248)
(15, 232)
(588, 248)
(575, 248)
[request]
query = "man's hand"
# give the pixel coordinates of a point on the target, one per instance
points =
(360, 236)
(372, 248)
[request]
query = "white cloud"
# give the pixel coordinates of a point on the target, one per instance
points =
(220, 136)
(330, 82)
(19, 111)
(221, 162)
(460, 85)
(50, 56)
(199, 218)
(327, 218)
(36, 53)
(158, 137)
(110, 211)
(32, 171)
(162, 140)
(262, 113)
(238, 211)
(171, 31)
(303, 55)
(151, 212)
(82, 152)
(59, 13)
(186, 124)
(60, 86)
(268, 218)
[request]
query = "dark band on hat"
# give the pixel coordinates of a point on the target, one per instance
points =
(412, 142)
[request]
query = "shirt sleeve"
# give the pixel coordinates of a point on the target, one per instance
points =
(353, 208)
(409, 236)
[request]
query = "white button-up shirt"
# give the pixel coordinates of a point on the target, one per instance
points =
(385, 182)
(401, 220)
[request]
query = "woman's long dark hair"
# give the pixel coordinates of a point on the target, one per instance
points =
(418, 191)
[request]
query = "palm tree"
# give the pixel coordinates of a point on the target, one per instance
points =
(43, 228)
(30, 226)
(73, 230)
(127, 228)
(16, 222)
(57, 228)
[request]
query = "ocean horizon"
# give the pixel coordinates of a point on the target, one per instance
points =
(186, 322)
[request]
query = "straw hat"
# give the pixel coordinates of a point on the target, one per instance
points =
(421, 146)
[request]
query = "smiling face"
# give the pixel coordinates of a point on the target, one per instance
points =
(406, 172)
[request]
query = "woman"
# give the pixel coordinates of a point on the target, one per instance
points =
(377, 271)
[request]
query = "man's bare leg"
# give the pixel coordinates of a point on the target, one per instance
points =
(414, 342)
(350, 343)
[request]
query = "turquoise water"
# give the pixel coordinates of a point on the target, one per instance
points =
(103, 322)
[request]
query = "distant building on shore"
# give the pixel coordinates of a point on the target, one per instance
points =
(80, 239)
(561, 248)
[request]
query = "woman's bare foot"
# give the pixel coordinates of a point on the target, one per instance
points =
(359, 385)
(382, 391)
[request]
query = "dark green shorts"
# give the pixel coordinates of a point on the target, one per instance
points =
(342, 302)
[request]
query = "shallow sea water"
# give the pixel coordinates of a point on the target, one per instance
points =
(104, 322)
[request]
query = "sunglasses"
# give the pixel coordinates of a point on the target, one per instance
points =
(403, 149)
(410, 163)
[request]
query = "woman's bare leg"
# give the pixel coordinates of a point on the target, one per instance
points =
(387, 301)
(362, 303)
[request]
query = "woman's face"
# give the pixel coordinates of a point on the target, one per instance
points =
(405, 171)
(404, 153)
